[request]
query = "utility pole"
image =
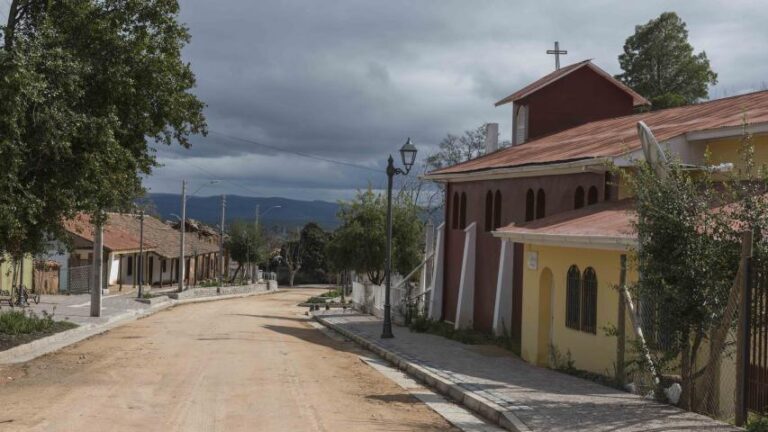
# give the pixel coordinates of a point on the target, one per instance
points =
(141, 255)
(182, 229)
(221, 241)
(98, 251)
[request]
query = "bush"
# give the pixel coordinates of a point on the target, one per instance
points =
(19, 322)
(757, 424)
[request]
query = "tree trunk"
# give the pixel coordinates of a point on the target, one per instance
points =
(291, 276)
(239, 266)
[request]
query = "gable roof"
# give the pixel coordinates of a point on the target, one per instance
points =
(165, 236)
(637, 99)
(116, 238)
(618, 136)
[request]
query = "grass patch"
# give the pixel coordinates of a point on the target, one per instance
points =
(18, 327)
(332, 293)
(422, 324)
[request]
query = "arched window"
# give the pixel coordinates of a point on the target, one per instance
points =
(589, 301)
(463, 211)
(497, 210)
(455, 213)
(572, 297)
(530, 200)
(578, 198)
(521, 125)
(608, 185)
(541, 204)
(592, 196)
(489, 211)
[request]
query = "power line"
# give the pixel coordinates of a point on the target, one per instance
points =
(297, 153)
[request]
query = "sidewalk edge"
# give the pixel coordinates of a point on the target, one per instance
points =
(472, 401)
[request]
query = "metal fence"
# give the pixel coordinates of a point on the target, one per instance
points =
(79, 279)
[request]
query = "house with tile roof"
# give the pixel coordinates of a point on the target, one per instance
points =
(161, 251)
(535, 234)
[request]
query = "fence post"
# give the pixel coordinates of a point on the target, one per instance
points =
(622, 322)
(743, 331)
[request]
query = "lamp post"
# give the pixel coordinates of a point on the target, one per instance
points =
(183, 228)
(408, 156)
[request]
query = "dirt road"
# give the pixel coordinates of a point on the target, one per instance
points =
(250, 364)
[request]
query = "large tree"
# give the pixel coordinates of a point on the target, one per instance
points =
(359, 244)
(659, 63)
(245, 244)
(86, 86)
(314, 241)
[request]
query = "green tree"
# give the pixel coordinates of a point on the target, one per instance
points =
(688, 226)
(292, 256)
(86, 86)
(659, 63)
(245, 244)
(314, 262)
(359, 244)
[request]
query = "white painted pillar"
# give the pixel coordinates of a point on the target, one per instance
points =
(436, 298)
(465, 307)
(502, 311)
(429, 246)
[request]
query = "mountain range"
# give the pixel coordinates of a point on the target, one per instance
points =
(275, 211)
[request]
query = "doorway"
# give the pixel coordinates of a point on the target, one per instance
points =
(546, 297)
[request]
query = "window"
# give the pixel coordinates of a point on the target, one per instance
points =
(497, 210)
(592, 196)
(578, 198)
(541, 204)
(455, 215)
(608, 185)
(489, 211)
(521, 125)
(572, 296)
(529, 205)
(581, 300)
(129, 267)
(463, 211)
(589, 301)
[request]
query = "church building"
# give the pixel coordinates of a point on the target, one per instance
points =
(536, 234)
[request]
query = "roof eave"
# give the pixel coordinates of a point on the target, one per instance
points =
(618, 243)
(544, 168)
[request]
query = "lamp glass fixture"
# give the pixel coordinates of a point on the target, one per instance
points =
(408, 154)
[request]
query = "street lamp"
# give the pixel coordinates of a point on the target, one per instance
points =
(408, 156)
(183, 227)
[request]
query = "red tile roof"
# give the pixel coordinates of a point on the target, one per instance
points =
(610, 220)
(637, 100)
(617, 136)
(116, 238)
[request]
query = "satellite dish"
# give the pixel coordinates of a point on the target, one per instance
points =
(652, 151)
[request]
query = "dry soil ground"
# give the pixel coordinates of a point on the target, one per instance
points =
(251, 364)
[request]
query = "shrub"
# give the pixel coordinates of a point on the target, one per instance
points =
(19, 322)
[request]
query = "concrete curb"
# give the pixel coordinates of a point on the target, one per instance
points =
(55, 342)
(489, 410)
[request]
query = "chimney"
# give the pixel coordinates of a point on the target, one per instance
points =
(491, 137)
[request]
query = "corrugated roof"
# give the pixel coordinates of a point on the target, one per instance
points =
(116, 238)
(617, 136)
(637, 99)
(605, 219)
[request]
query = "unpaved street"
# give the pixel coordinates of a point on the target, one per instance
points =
(250, 364)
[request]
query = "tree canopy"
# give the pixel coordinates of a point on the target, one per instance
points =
(86, 86)
(245, 243)
(660, 64)
(359, 244)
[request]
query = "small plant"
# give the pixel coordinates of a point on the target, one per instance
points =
(757, 423)
(27, 322)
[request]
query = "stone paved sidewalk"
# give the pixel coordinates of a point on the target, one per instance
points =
(531, 398)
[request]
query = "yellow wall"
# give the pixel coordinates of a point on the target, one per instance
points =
(6, 268)
(592, 352)
(727, 150)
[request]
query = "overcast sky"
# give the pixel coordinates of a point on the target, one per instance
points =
(351, 80)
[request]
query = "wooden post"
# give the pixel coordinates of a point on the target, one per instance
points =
(742, 334)
(622, 322)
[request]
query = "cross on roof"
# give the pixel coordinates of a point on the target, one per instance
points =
(557, 51)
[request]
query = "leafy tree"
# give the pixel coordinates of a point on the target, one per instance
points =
(314, 262)
(245, 244)
(292, 256)
(688, 226)
(659, 63)
(359, 244)
(86, 85)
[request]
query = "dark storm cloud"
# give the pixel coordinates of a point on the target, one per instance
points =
(352, 79)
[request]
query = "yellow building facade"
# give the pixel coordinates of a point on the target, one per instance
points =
(6, 273)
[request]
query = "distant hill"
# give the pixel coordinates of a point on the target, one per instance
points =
(292, 213)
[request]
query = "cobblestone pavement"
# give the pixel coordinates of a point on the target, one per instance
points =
(543, 399)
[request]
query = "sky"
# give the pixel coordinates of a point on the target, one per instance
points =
(352, 80)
